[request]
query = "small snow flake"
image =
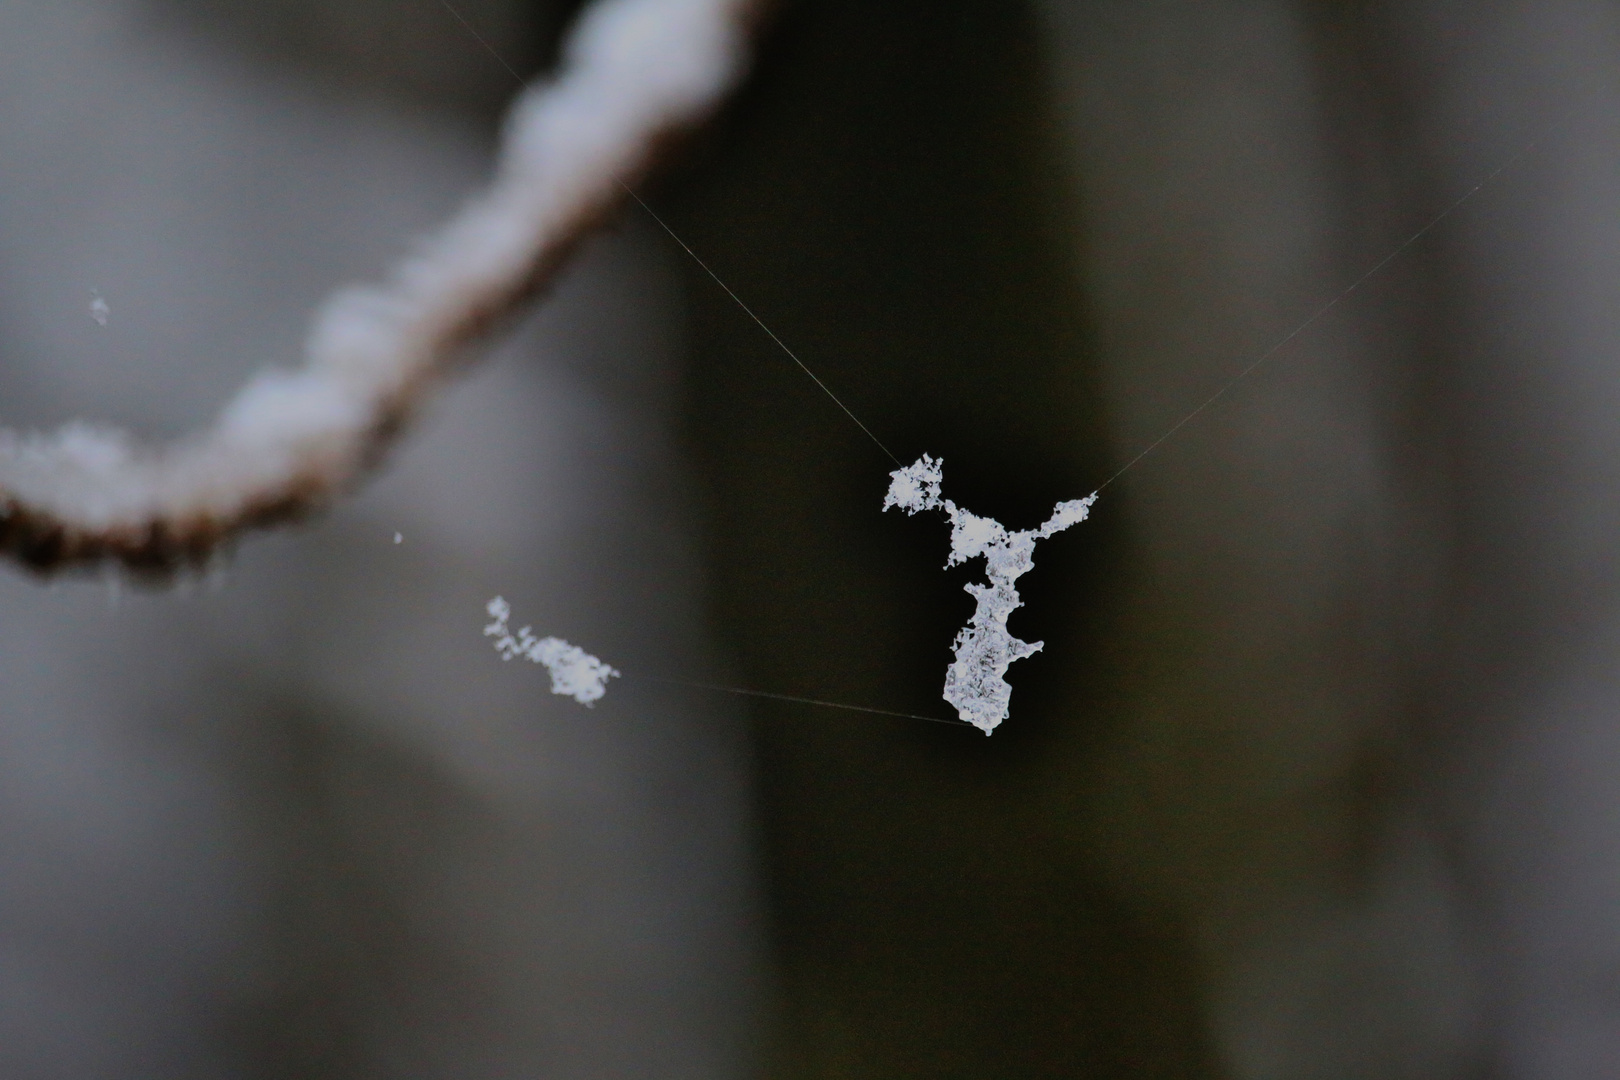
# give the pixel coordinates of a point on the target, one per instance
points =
(574, 672)
(99, 310)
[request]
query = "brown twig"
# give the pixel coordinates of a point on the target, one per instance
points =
(636, 73)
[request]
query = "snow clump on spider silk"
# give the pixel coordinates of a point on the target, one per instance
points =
(976, 683)
(574, 672)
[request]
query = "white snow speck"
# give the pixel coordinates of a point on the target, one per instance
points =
(976, 683)
(915, 487)
(574, 672)
(99, 310)
(399, 538)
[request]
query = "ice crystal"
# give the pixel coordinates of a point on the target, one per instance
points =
(574, 672)
(976, 683)
(99, 310)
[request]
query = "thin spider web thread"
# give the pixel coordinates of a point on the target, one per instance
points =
(798, 699)
(1320, 313)
(750, 312)
(791, 355)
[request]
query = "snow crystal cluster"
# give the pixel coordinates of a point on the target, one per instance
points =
(574, 672)
(976, 683)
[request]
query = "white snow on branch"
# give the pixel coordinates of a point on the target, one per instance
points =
(574, 672)
(976, 683)
(634, 73)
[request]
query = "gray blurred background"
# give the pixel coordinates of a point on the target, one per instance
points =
(1318, 775)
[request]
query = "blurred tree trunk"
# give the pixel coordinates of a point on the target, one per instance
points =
(889, 196)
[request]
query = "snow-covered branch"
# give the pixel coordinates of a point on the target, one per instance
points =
(635, 73)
